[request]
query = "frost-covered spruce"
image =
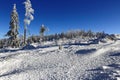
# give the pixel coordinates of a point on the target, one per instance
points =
(42, 30)
(13, 32)
(28, 16)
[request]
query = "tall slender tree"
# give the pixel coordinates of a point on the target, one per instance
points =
(28, 17)
(13, 32)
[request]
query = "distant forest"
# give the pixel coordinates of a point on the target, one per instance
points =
(64, 35)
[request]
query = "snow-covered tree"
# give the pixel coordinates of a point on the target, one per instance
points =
(13, 32)
(42, 31)
(28, 16)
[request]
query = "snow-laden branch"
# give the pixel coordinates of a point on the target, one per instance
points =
(29, 12)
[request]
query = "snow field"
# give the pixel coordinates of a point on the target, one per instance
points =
(73, 62)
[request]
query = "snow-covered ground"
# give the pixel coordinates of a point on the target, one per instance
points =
(74, 62)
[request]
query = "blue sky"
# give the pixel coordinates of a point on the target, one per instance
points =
(64, 15)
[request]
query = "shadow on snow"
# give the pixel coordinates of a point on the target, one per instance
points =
(85, 51)
(115, 54)
(108, 73)
(11, 73)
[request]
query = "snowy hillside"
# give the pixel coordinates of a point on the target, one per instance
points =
(74, 62)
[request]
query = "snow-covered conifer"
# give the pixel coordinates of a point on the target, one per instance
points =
(42, 31)
(28, 16)
(13, 32)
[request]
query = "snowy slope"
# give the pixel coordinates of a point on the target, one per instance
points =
(73, 62)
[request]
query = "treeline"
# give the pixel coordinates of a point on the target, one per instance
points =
(64, 35)
(71, 35)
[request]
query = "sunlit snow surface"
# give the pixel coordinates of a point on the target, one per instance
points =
(74, 62)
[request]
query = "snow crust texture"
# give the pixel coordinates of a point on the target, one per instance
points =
(74, 62)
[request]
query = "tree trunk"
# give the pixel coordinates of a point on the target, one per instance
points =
(25, 29)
